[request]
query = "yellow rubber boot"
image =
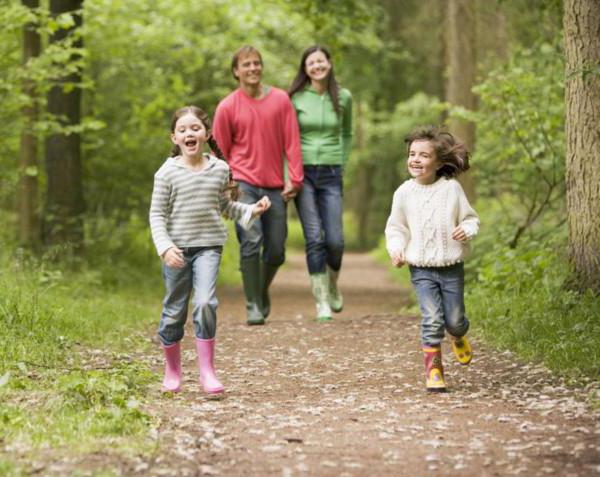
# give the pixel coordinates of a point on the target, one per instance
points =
(462, 349)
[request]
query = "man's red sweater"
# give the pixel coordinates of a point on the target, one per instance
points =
(256, 134)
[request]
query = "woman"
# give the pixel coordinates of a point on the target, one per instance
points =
(325, 117)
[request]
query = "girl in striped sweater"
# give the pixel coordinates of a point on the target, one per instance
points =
(192, 190)
(429, 227)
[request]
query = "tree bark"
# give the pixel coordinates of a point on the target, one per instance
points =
(64, 201)
(28, 209)
(461, 65)
(581, 23)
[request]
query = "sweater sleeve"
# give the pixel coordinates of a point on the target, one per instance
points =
(158, 215)
(467, 217)
(222, 130)
(238, 211)
(346, 126)
(293, 150)
(397, 233)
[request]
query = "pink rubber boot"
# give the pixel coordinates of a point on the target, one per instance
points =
(206, 354)
(172, 380)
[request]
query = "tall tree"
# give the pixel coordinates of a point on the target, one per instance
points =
(582, 101)
(461, 65)
(29, 231)
(64, 200)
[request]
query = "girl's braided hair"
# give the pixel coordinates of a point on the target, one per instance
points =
(232, 187)
(453, 155)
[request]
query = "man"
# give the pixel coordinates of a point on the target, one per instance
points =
(257, 129)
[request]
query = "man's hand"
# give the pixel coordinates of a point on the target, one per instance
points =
(173, 258)
(289, 191)
(261, 206)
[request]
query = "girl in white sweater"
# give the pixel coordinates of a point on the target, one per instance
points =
(429, 227)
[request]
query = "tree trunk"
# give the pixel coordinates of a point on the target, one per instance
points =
(582, 101)
(29, 226)
(64, 201)
(362, 192)
(461, 64)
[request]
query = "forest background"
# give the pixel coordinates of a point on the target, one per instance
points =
(86, 93)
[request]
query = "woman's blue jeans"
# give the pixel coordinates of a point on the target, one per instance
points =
(269, 231)
(320, 208)
(200, 275)
(440, 291)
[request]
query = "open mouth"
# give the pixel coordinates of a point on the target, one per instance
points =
(191, 142)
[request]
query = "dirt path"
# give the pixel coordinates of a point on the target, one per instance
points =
(347, 398)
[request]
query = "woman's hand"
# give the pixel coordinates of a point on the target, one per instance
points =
(459, 234)
(261, 206)
(397, 259)
(289, 191)
(173, 258)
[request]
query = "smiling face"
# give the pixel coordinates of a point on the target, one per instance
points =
(317, 66)
(189, 134)
(248, 70)
(422, 162)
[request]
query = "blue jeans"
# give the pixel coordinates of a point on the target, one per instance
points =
(440, 291)
(269, 231)
(320, 209)
(199, 274)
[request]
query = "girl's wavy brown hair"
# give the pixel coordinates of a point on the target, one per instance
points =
(453, 155)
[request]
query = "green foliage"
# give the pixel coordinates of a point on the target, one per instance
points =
(64, 377)
(229, 271)
(45, 310)
(121, 250)
(519, 302)
(381, 162)
(520, 156)
(77, 408)
(158, 59)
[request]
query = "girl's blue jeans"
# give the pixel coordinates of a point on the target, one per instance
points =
(320, 209)
(440, 291)
(200, 275)
(269, 231)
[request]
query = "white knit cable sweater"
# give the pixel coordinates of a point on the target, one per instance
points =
(422, 219)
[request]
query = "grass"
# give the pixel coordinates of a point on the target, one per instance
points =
(520, 302)
(69, 377)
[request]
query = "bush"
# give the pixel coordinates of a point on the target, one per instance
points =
(519, 302)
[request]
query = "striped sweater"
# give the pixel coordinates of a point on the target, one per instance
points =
(187, 205)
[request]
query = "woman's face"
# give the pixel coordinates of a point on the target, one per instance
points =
(317, 66)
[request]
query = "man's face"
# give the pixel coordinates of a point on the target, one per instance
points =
(249, 70)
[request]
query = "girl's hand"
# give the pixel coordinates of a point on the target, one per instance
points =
(397, 259)
(261, 206)
(173, 258)
(459, 234)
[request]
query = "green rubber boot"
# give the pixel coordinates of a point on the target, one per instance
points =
(320, 288)
(336, 301)
(267, 274)
(250, 268)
